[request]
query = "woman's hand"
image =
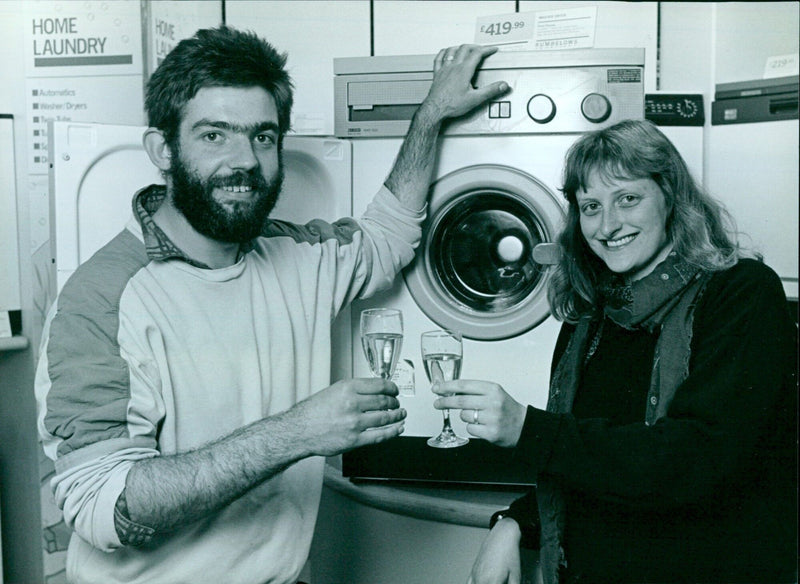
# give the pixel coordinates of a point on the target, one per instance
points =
(490, 413)
(498, 560)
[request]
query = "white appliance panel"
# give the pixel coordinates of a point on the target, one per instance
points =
(688, 140)
(95, 170)
(753, 169)
(551, 92)
(520, 364)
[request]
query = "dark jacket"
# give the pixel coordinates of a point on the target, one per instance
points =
(709, 489)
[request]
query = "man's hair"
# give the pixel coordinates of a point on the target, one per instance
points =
(701, 231)
(216, 57)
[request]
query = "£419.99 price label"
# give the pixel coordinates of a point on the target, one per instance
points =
(497, 30)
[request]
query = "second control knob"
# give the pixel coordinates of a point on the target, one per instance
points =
(596, 108)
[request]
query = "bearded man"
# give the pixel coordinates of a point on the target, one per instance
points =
(184, 383)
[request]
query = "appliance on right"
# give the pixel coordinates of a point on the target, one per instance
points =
(752, 167)
(494, 199)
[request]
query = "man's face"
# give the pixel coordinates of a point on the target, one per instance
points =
(226, 173)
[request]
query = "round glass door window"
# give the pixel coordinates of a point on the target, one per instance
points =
(475, 271)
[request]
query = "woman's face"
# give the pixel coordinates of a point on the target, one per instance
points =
(625, 223)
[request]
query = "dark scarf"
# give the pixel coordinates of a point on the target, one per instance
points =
(662, 302)
(646, 303)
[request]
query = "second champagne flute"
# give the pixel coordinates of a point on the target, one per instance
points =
(441, 354)
(382, 339)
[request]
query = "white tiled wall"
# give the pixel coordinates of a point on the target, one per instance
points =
(312, 33)
(422, 27)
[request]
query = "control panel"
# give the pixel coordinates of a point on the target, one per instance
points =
(674, 109)
(552, 92)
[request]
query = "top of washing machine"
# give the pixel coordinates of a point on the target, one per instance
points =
(552, 92)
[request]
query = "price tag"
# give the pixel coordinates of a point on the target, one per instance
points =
(781, 66)
(569, 28)
(507, 29)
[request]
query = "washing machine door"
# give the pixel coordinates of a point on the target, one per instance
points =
(475, 271)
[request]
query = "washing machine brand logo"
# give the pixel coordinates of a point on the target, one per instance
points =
(363, 130)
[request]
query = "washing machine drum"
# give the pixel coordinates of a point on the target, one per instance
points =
(475, 271)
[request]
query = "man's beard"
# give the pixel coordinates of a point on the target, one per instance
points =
(234, 222)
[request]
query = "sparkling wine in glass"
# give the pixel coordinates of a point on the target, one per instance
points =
(382, 339)
(442, 353)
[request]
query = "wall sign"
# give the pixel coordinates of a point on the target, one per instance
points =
(171, 22)
(109, 100)
(82, 38)
(83, 62)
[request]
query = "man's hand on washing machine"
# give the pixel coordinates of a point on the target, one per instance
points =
(489, 411)
(452, 93)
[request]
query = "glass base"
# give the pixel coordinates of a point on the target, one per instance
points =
(447, 439)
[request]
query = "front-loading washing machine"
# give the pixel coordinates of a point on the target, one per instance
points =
(494, 198)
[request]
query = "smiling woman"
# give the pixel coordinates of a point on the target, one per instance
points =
(667, 451)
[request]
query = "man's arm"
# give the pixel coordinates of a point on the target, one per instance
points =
(451, 95)
(166, 492)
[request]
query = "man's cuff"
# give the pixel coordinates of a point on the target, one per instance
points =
(129, 532)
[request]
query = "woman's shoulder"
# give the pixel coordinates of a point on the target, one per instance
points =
(749, 285)
(747, 272)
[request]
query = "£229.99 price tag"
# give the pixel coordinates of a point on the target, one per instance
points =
(781, 66)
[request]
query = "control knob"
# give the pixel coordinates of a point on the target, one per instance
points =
(541, 108)
(596, 108)
(687, 108)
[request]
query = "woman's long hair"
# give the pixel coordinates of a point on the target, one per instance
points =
(699, 228)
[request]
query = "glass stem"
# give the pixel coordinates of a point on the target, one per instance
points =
(446, 414)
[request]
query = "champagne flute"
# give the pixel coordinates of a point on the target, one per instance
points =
(382, 339)
(441, 354)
